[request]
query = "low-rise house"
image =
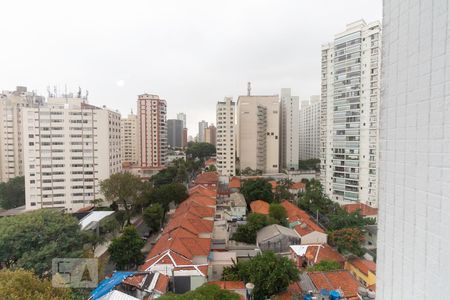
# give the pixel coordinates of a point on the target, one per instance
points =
(238, 206)
(364, 270)
(340, 283)
(235, 286)
(294, 188)
(218, 261)
(234, 186)
(259, 207)
(207, 179)
(308, 230)
(146, 286)
(364, 209)
(309, 255)
(276, 238)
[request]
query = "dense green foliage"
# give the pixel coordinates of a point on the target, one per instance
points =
(22, 284)
(176, 172)
(153, 217)
(309, 164)
(125, 189)
(167, 193)
(125, 250)
(278, 212)
(325, 265)
(258, 189)
(343, 219)
(33, 239)
(282, 190)
(347, 240)
(249, 172)
(12, 193)
(200, 150)
(270, 273)
(247, 233)
(205, 292)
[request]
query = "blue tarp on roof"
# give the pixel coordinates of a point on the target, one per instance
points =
(106, 285)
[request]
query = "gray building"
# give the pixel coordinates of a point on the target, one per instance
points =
(175, 133)
(201, 130)
(276, 238)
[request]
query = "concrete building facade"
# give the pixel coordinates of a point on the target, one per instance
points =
(152, 129)
(201, 130)
(11, 132)
(309, 140)
(69, 148)
(129, 139)
(182, 116)
(175, 133)
(289, 126)
(225, 139)
(258, 133)
(210, 134)
(414, 212)
(349, 114)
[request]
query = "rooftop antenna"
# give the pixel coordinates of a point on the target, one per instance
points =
(249, 88)
(49, 92)
(79, 92)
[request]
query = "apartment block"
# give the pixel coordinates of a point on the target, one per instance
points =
(201, 130)
(129, 139)
(309, 129)
(258, 133)
(289, 127)
(11, 148)
(349, 114)
(152, 129)
(225, 139)
(210, 134)
(70, 146)
(414, 211)
(182, 117)
(175, 133)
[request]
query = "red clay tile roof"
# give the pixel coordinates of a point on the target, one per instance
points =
(200, 189)
(364, 265)
(259, 207)
(194, 208)
(296, 214)
(211, 161)
(294, 185)
(229, 285)
(202, 200)
(162, 283)
(317, 253)
(293, 289)
(207, 178)
(235, 183)
(334, 280)
(372, 287)
(364, 209)
(135, 280)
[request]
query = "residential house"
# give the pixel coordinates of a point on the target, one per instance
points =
(308, 230)
(235, 286)
(234, 186)
(364, 270)
(259, 207)
(145, 286)
(276, 238)
(340, 283)
(207, 179)
(294, 188)
(309, 255)
(364, 209)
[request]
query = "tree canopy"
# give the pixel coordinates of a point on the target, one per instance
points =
(125, 250)
(282, 190)
(167, 193)
(347, 240)
(247, 233)
(258, 189)
(22, 284)
(31, 240)
(278, 212)
(153, 216)
(205, 292)
(12, 193)
(176, 172)
(200, 150)
(270, 273)
(309, 164)
(325, 265)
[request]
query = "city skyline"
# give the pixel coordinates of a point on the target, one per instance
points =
(111, 54)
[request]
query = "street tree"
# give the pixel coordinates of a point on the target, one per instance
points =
(12, 193)
(258, 189)
(278, 212)
(200, 150)
(125, 250)
(153, 216)
(167, 193)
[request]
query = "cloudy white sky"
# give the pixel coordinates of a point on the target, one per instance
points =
(191, 53)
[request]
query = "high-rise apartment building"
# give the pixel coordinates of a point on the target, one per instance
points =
(129, 139)
(349, 114)
(175, 133)
(201, 130)
(225, 140)
(11, 134)
(182, 117)
(289, 127)
(258, 133)
(69, 148)
(414, 211)
(185, 137)
(152, 129)
(310, 129)
(210, 134)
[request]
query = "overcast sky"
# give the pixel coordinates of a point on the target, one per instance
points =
(191, 53)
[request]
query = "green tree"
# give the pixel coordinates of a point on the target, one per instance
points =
(315, 200)
(258, 189)
(125, 189)
(167, 193)
(247, 233)
(125, 250)
(33, 239)
(153, 216)
(347, 240)
(205, 292)
(282, 190)
(200, 150)
(343, 219)
(325, 265)
(270, 273)
(21, 284)
(278, 212)
(12, 193)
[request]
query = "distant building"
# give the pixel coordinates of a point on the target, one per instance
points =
(258, 133)
(289, 142)
(210, 134)
(152, 128)
(185, 137)
(129, 139)
(70, 147)
(11, 131)
(182, 117)
(201, 131)
(175, 133)
(225, 140)
(310, 129)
